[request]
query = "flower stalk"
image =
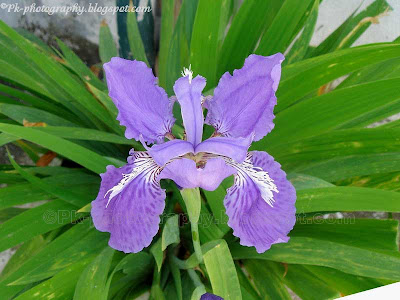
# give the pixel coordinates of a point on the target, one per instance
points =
(192, 200)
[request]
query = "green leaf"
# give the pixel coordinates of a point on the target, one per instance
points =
(337, 143)
(6, 138)
(300, 47)
(134, 37)
(92, 282)
(56, 191)
(208, 228)
(8, 213)
(178, 54)
(355, 165)
(48, 262)
(40, 103)
(354, 26)
(384, 181)
(306, 285)
(208, 30)
(325, 68)
(176, 274)
(215, 201)
(80, 68)
(20, 194)
(309, 251)
(36, 221)
(335, 109)
(105, 100)
(61, 286)
(198, 292)
(303, 181)
(380, 70)
(80, 155)
(107, 47)
(166, 32)
(170, 234)
(222, 272)
(284, 27)
(343, 198)
(20, 113)
(345, 283)
(247, 288)
(64, 87)
(27, 250)
(267, 280)
(135, 266)
(77, 133)
(243, 35)
(362, 233)
(157, 251)
(50, 252)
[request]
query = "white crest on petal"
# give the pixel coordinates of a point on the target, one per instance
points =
(188, 72)
(144, 165)
(260, 177)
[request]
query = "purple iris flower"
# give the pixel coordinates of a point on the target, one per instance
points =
(260, 204)
(208, 296)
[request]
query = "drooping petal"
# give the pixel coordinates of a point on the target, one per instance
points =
(188, 92)
(255, 218)
(129, 203)
(235, 148)
(243, 103)
(143, 107)
(185, 174)
(164, 152)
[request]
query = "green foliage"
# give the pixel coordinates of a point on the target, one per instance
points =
(51, 101)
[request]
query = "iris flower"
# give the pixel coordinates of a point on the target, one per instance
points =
(260, 203)
(208, 296)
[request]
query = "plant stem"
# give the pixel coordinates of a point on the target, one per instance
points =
(192, 200)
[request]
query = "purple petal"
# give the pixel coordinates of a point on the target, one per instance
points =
(208, 296)
(132, 215)
(235, 148)
(252, 219)
(188, 93)
(162, 153)
(244, 103)
(186, 175)
(144, 108)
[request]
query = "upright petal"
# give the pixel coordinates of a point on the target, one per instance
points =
(188, 92)
(235, 148)
(256, 218)
(244, 103)
(185, 173)
(162, 153)
(129, 203)
(143, 107)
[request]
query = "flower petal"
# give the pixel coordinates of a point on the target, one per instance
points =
(137, 200)
(208, 296)
(162, 153)
(257, 221)
(244, 103)
(188, 92)
(235, 148)
(186, 175)
(144, 107)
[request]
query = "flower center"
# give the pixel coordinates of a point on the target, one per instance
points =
(200, 159)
